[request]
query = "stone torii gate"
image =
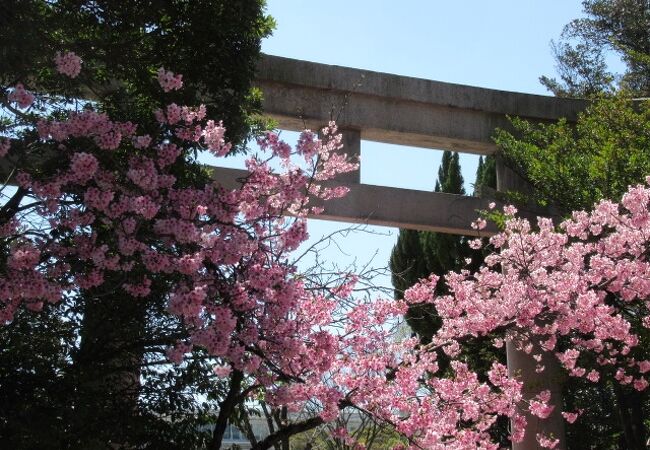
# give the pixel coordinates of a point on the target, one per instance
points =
(421, 113)
(399, 110)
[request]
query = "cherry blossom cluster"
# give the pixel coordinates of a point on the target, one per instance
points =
(106, 134)
(169, 81)
(22, 97)
(227, 252)
(68, 64)
(577, 289)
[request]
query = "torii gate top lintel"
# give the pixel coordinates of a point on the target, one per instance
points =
(398, 109)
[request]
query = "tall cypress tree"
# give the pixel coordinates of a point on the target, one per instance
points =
(407, 261)
(443, 251)
(486, 173)
(418, 254)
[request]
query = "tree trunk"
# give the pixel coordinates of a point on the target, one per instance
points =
(284, 433)
(226, 408)
(284, 417)
(630, 414)
(107, 371)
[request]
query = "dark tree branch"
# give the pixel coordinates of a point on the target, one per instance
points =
(293, 429)
(12, 206)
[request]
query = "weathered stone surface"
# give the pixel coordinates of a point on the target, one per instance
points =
(397, 109)
(394, 207)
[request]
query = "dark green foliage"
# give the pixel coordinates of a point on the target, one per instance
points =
(572, 167)
(418, 254)
(449, 177)
(57, 391)
(34, 357)
(608, 409)
(445, 252)
(408, 264)
(486, 173)
(213, 43)
(619, 27)
(407, 261)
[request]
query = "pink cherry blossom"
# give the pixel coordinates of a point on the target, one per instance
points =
(169, 81)
(68, 64)
(571, 417)
(222, 259)
(547, 442)
(21, 96)
(142, 141)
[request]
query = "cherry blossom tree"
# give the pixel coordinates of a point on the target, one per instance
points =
(579, 290)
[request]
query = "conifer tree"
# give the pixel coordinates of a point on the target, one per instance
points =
(443, 251)
(618, 28)
(486, 173)
(418, 254)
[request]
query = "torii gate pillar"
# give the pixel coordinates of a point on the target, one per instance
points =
(522, 365)
(351, 146)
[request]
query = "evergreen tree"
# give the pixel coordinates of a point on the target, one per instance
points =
(408, 264)
(486, 173)
(407, 261)
(418, 254)
(618, 27)
(445, 252)
(479, 169)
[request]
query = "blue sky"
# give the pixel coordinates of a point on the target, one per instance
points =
(500, 44)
